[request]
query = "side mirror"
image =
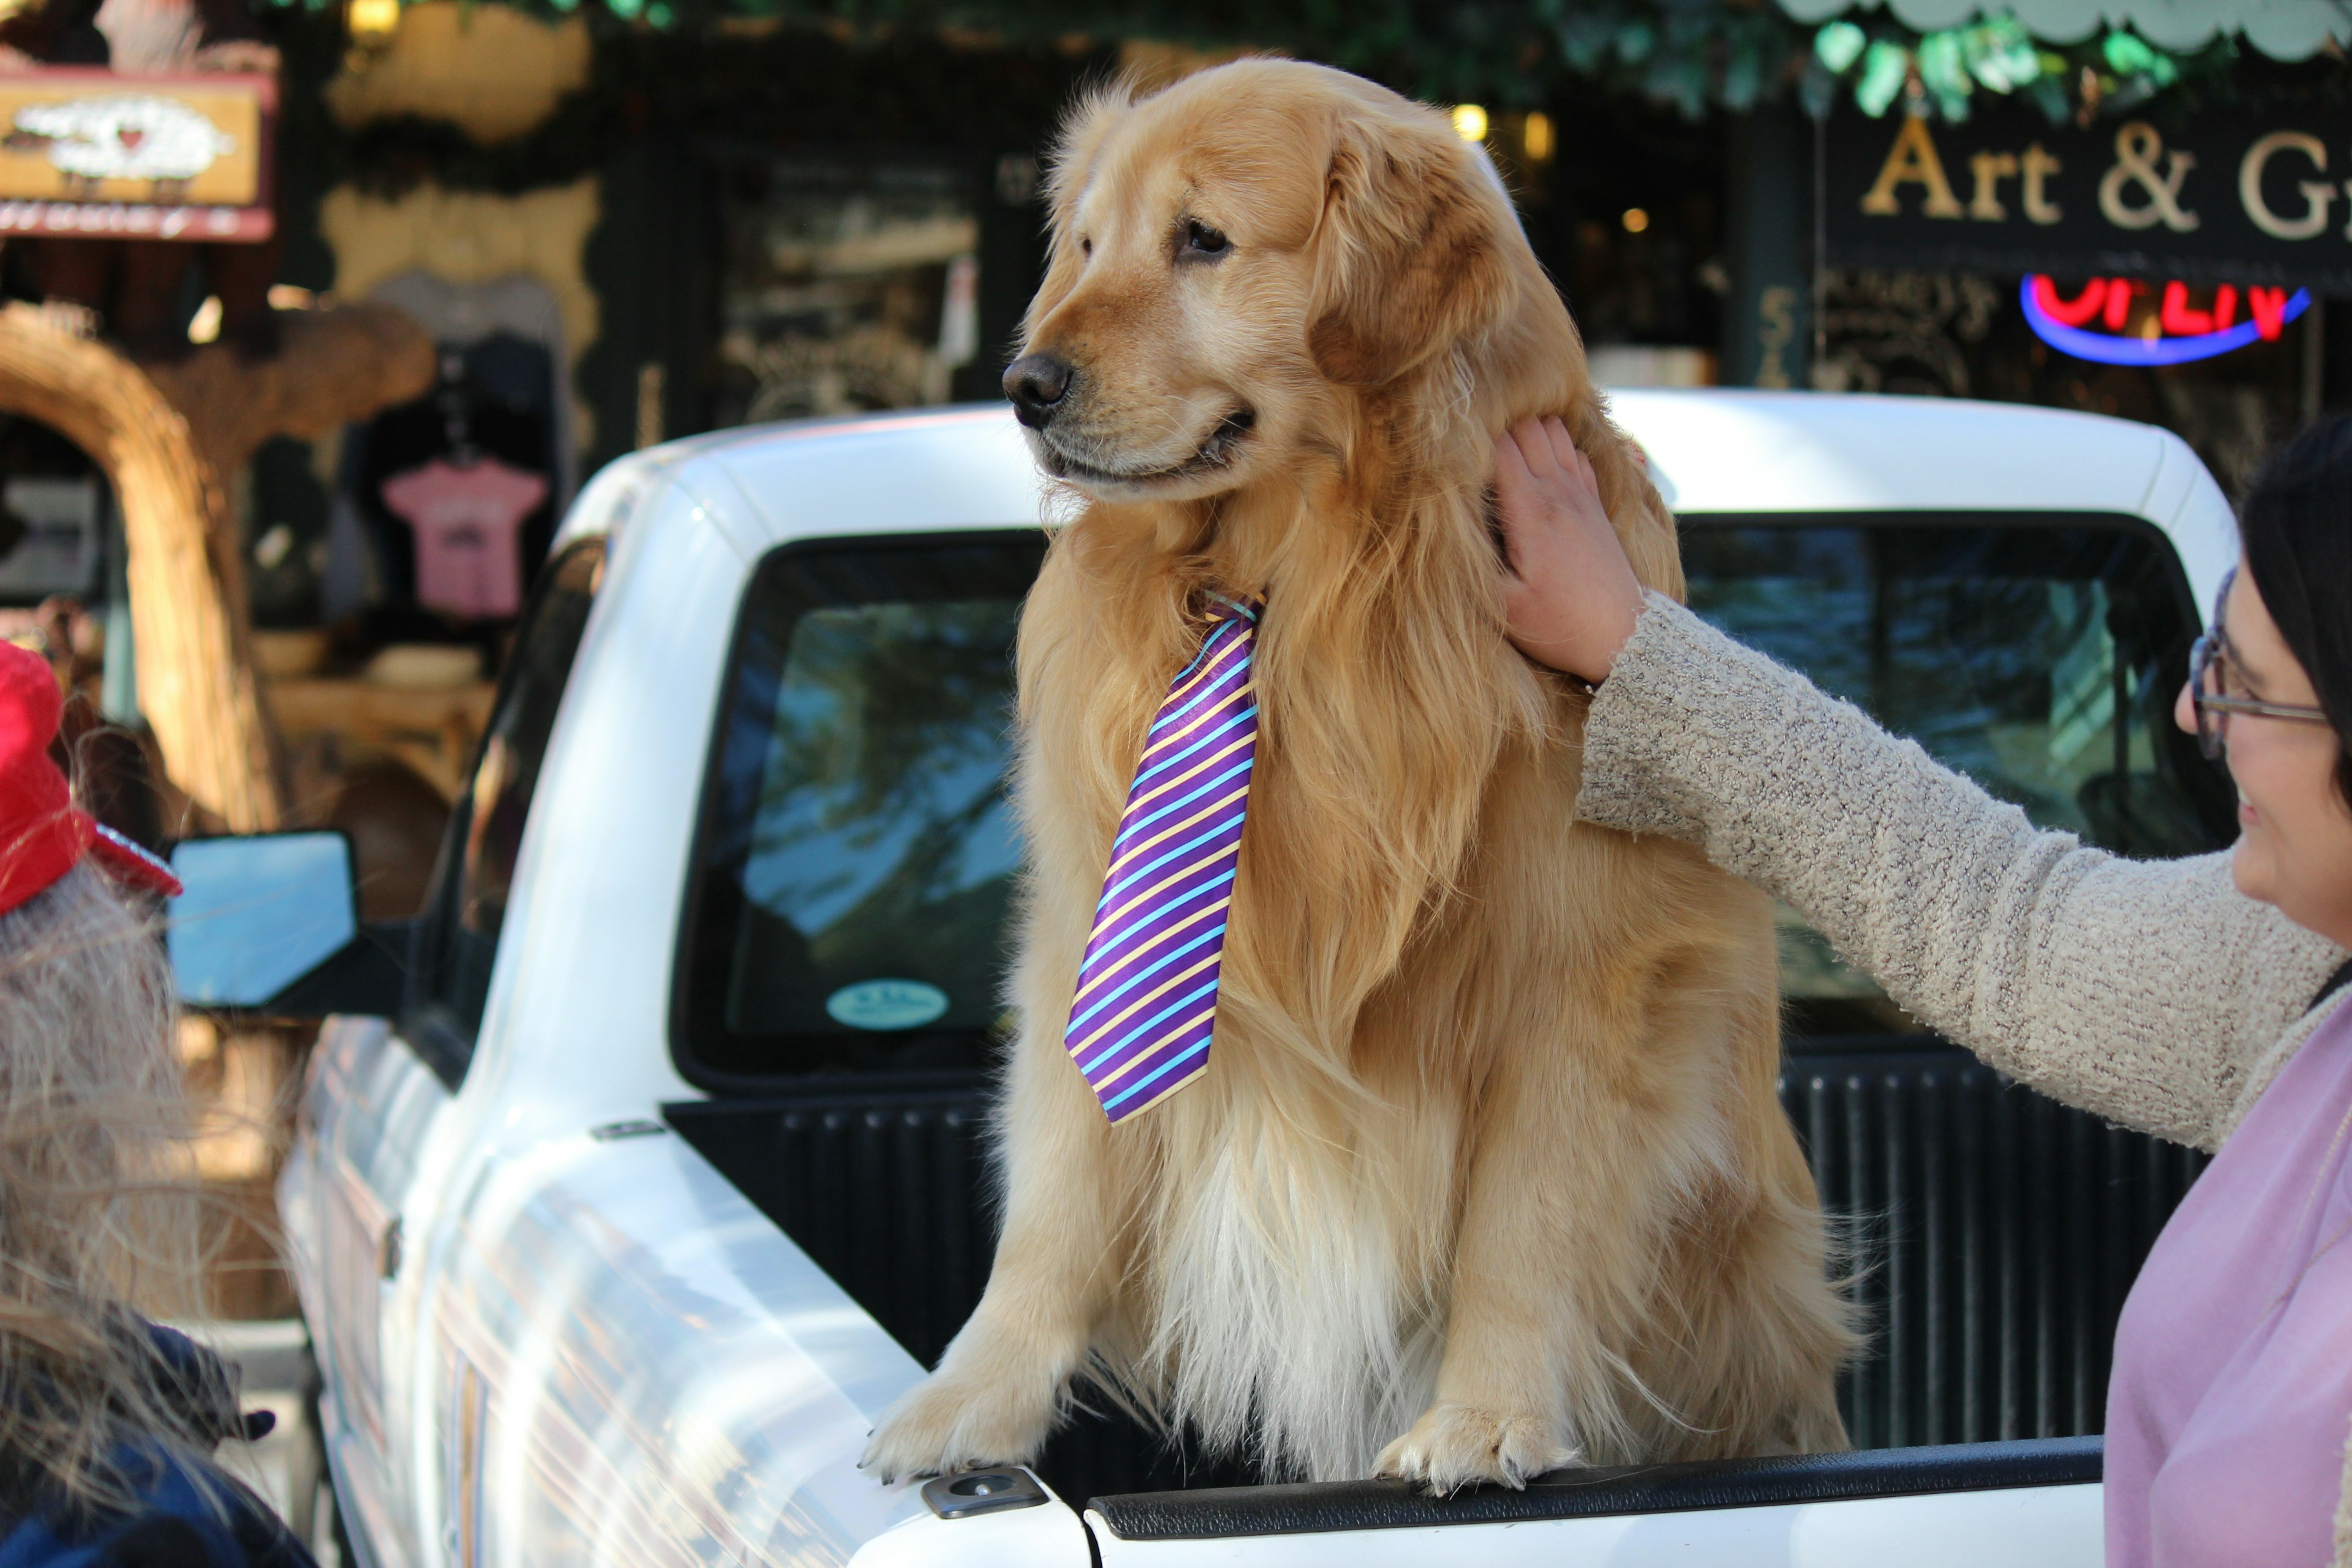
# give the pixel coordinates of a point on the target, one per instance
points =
(270, 922)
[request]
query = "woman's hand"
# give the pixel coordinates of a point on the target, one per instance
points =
(1571, 598)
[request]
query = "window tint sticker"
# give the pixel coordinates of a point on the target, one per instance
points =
(887, 1004)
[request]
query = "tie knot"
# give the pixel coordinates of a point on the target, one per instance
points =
(1224, 607)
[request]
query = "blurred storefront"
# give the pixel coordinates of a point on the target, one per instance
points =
(465, 253)
(481, 253)
(456, 255)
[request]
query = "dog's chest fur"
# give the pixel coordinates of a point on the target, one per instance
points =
(1289, 1294)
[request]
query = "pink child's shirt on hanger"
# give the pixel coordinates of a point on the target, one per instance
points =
(467, 518)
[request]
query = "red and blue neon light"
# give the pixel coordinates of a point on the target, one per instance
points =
(2187, 334)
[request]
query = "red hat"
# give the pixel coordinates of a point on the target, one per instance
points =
(42, 834)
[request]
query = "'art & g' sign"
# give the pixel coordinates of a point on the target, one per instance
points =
(2213, 199)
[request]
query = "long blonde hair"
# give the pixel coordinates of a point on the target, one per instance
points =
(99, 1213)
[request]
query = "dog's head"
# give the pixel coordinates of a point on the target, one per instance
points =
(1233, 253)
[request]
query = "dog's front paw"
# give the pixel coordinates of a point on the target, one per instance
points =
(1454, 1445)
(952, 1423)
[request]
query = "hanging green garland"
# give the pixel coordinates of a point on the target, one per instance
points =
(1944, 74)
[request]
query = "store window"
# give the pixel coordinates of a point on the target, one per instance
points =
(445, 505)
(52, 505)
(1967, 335)
(849, 286)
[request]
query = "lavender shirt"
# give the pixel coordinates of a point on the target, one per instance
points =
(2231, 1398)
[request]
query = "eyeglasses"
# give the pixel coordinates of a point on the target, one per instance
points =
(2208, 679)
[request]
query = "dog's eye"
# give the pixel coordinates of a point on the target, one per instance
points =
(1086, 246)
(1201, 240)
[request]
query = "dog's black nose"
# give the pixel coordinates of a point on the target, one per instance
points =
(1036, 384)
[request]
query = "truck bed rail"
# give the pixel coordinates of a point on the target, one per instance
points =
(1205, 1514)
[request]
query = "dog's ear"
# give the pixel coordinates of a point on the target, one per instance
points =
(1408, 261)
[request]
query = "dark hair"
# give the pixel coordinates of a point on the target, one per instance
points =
(2296, 525)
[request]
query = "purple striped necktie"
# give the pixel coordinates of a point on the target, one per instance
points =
(1147, 1001)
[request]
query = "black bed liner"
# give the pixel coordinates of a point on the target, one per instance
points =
(1993, 1234)
(1210, 1513)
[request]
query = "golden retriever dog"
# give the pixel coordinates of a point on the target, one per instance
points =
(1487, 1177)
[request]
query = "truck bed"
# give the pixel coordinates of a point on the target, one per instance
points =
(1993, 1234)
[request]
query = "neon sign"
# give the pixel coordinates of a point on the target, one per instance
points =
(2182, 333)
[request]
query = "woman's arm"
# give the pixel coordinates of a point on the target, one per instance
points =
(2151, 993)
(2144, 992)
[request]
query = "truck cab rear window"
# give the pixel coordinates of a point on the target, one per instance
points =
(857, 857)
(2038, 656)
(857, 853)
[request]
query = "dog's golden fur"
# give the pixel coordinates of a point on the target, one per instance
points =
(1487, 1175)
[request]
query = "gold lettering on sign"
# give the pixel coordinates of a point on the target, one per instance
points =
(2137, 146)
(1912, 161)
(2037, 169)
(2317, 193)
(1990, 170)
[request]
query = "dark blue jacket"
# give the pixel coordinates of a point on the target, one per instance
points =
(178, 1522)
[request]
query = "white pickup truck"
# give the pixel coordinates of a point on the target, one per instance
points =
(664, 1178)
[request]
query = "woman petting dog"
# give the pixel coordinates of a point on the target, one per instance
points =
(2203, 1000)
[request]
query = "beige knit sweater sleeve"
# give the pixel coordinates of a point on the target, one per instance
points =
(2151, 993)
